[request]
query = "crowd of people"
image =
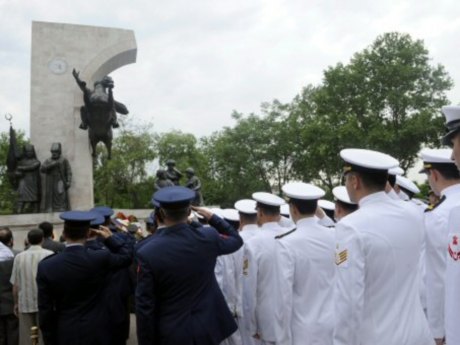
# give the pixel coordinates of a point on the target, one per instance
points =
(383, 269)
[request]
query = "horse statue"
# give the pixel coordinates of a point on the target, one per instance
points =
(99, 114)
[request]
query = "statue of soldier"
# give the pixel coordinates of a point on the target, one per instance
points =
(172, 173)
(98, 98)
(194, 184)
(28, 175)
(162, 180)
(58, 180)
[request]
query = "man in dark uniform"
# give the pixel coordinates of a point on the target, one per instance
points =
(178, 301)
(121, 285)
(71, 285)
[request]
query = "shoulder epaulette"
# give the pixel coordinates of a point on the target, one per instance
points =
(285, 234)
(432, 207)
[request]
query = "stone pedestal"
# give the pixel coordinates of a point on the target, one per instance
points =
(55, 98)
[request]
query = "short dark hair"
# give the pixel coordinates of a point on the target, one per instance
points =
(35, 236)
(47, 229)
(375, 181)
(176, 214)
(268, 209)
(448, 171)
(76, 232)
(304, 206)
(346, 206)
(6, 236)
(248, 218)
(392, 180)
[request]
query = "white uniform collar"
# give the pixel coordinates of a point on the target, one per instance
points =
(306, 222)
(392, 194)
(451, 190)
(374, 197)
(270, 225)
(250, 227)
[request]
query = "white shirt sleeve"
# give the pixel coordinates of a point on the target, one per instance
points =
(435, 258)
(349, 300)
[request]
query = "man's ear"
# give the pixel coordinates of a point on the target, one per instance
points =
(355, 181)
(434, 175)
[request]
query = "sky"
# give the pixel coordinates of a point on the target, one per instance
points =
(198, 61)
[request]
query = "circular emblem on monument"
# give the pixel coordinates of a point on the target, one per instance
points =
(58, 65)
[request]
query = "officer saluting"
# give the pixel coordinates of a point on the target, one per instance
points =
(178, 300)
(71, 285)
(378, 249)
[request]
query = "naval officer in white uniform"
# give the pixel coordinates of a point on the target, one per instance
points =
(260, 279)
(444, 180)
(378, 248)
(452, 282)
(306, 267)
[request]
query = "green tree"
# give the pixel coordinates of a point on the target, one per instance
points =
(123, 181)
(8, 195)
(387, 98)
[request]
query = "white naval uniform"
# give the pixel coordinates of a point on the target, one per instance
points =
(325, 221)
(306, 269)
(436, 243)
(247, 232)
(259, 283)
(286, 222)
(377, 292)
(452, 297)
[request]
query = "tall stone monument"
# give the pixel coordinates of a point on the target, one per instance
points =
(55, 99)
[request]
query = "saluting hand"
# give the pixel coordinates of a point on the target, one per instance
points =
(103, 232)
(203, 211)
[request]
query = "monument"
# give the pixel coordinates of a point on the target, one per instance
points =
(56, 100)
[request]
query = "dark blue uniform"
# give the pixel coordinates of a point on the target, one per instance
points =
(71, 289)
(178, 301)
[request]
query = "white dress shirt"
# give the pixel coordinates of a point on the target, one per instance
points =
(377, 292)
(306, 269)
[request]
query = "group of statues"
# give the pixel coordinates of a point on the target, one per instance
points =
(58, 178)
(171, 177)
(98, 116)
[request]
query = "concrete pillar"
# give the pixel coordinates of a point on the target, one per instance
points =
(55, 98)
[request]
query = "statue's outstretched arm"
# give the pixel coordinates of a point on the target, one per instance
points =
(80, 82)
(121, 108)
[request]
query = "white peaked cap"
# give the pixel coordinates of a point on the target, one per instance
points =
(396, 171)
(247, 206)
(369, 159)
(217, 211)
(437, 156)
(340, 193)
(407, 184)
(451, 112)
(285, 210)
(231, 214)
(326, 204)
(302, 191)
(268, 199)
